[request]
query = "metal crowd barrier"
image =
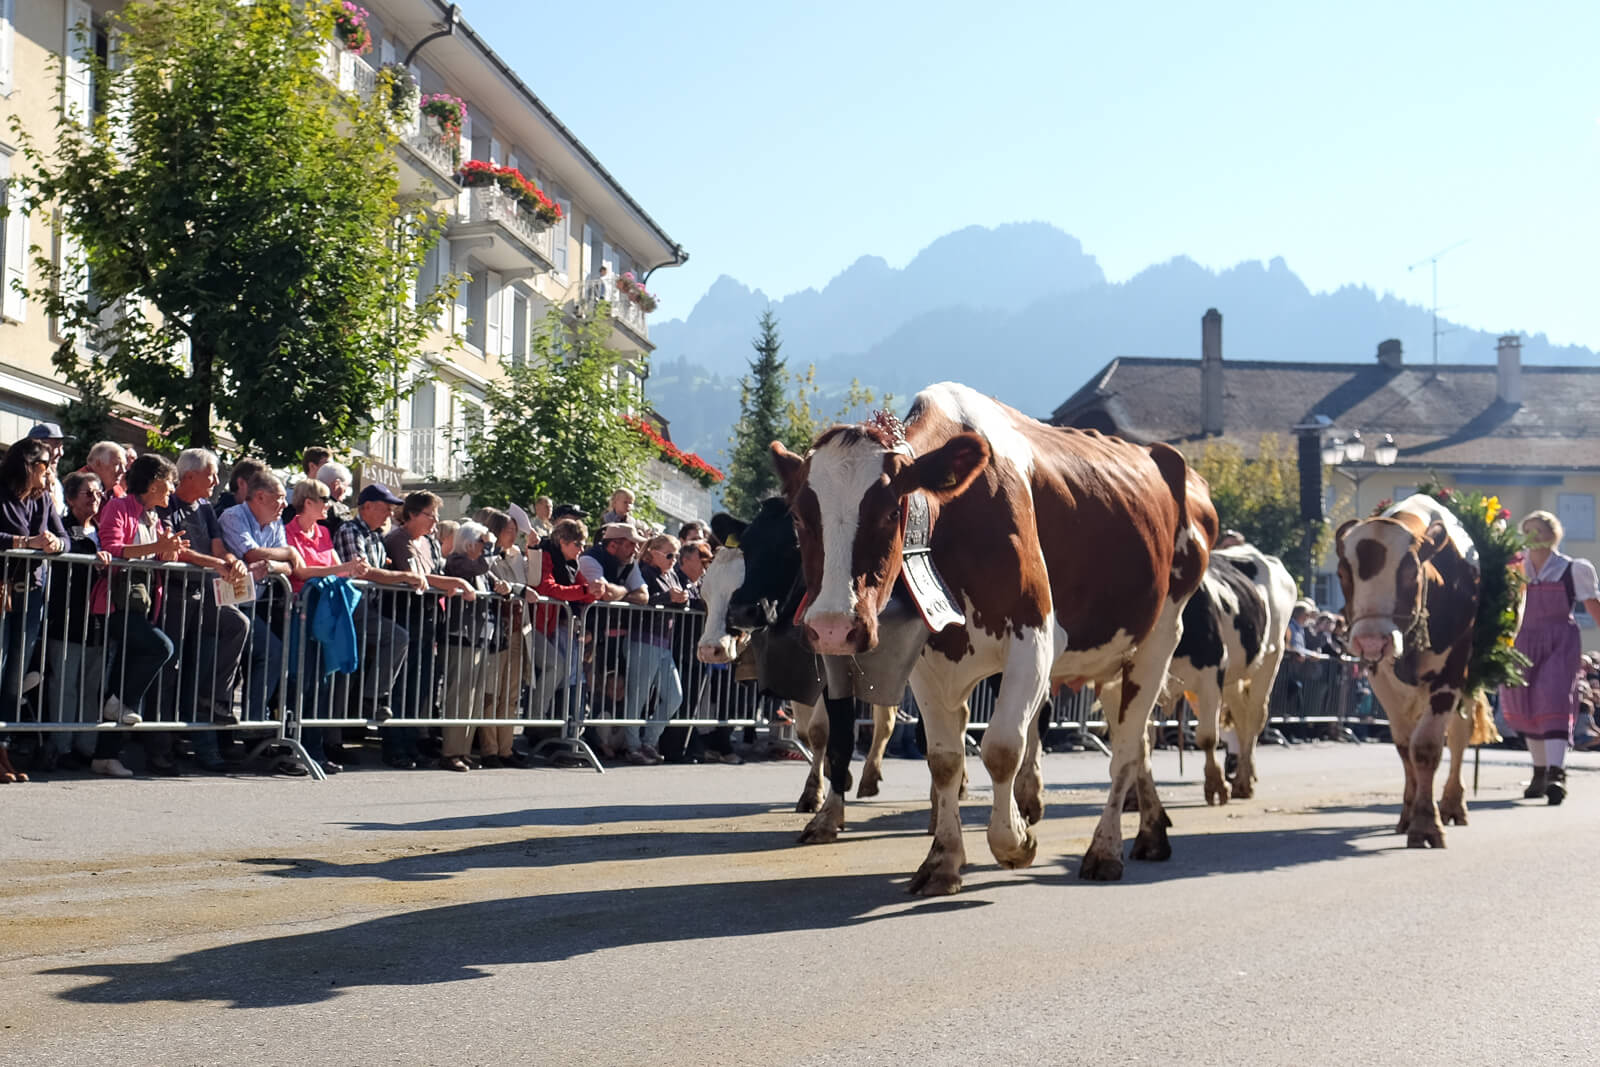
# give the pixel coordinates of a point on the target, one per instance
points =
(137, 646)
(1318, 691)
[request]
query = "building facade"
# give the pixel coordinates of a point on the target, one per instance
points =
(513, 267)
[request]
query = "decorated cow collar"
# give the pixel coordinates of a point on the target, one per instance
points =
(934, 600)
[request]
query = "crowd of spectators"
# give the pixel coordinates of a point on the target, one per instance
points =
(444, 619)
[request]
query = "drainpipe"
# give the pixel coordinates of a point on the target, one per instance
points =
(679, 258)
(451, 21)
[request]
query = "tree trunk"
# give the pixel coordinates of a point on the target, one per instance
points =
(202, 358)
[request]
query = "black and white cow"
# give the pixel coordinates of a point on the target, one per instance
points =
(1228, 657)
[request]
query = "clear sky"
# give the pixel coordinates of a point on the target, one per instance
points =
(778, 142)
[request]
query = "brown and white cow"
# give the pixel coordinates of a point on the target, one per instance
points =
(1410, 581)
(1071, 555)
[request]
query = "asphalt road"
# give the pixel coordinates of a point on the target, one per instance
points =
(663, 916)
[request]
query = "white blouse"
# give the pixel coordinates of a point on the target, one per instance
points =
(1584, 583)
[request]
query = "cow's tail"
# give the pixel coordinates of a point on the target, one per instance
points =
(1483, 729)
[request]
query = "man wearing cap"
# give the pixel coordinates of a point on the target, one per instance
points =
(567, 511)
(384, 643)
(614, 562)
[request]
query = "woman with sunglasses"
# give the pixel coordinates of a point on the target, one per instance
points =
(28, 520)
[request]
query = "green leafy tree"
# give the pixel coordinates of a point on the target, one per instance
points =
(802, 420)
(234, 256)
(764, 417)
(1261, 499)
(555, 424)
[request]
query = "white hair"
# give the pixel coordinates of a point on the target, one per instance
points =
(196, 459)
(102, 449)
(469, 532)
(331, 472)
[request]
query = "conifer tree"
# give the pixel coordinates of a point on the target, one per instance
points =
(763, 407)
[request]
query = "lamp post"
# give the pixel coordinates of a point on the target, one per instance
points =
(1322, 444)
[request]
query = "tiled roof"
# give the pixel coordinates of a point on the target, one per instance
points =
(1449, 420)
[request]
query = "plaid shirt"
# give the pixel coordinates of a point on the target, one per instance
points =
(357, 540)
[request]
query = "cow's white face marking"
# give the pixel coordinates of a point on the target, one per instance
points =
(840, 475)
(1376, 613)
(721, 580)
(966, 406)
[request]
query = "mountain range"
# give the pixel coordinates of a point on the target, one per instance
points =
(1021, 311)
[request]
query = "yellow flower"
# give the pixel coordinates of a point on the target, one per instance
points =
(1491, 509)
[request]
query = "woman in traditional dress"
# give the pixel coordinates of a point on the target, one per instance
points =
(1543, 711)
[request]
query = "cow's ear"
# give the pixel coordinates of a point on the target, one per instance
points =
(1433, 539)
(789, 467)
(1338, 536)
(947, 470)
(727, 529)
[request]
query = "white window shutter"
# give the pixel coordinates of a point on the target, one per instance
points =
(511, 161)
(120, 116)
(494, 151)
(14, 305)
(562, 236)
(442, 266)
(78, 48)
(491, 314)
(464, 201)
(8, 45)
(463, 310)
(506, 297)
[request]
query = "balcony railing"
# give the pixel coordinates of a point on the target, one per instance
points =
(430, 452)
(623, 310)
(492, 204)
(429, 143)
(348, 71)
(677, 494)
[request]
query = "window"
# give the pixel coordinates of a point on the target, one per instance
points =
(8, 46)
(1576, 512)
(13, 251)
(518, 349)
(471, 318)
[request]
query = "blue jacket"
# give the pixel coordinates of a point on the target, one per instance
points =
(331, 606)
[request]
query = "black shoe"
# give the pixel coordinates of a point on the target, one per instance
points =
(224, 718)
(1555, 789)
(162, 768)
(379, 713)
(492, 763)
(330, 767)
(72, 760)
(290, 768)
(516, 759)
(214, 766)
(400, 763)
(1230, 766)
(1536, 784)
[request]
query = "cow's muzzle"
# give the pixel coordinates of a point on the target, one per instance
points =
(744, 617)
(837, 634)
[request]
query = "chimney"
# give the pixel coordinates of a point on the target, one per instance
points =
(1211, 373)
(1509, 355)
(1389, 354)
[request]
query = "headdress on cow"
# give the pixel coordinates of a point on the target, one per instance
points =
(891, 426)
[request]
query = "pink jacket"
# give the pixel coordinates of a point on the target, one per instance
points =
(119, 527)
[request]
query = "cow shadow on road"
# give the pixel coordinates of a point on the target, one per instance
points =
(575, 816)
(460, 942)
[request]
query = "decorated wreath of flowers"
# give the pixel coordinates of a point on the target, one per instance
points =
(1495, 660)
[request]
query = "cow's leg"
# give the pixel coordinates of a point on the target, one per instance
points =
(933, 783)
(872, 773)
(1207, 700)
(1029, 789)
(1011, 732)
(1401, 724)
(824, 827)
(813, 726)
(1142, 677)
(944, 717)
(1457, 732)
(1249, 719)
(1427, 746)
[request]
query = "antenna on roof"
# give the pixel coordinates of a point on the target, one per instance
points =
(1433, 263)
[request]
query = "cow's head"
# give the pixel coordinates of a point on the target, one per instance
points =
(771, 568)
(1384, 574)
(847, 497)
(719, 644)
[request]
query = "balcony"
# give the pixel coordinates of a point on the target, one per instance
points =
(348, 71)
(624, 312)
(427, 453)
(500, 235)
(681, 497)
(428, 158)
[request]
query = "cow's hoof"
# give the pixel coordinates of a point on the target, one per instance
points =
(1453, 811)
(934, 880)
(1216, 789)
(1429, 837)
(1031, 808)
(1021, 856)
(870, 778)
(819, 834)
(1098, 867)
(1152, 843)
(809, 804)
(1242, 790)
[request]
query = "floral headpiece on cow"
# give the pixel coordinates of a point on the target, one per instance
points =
(1495, 659)
(890, 426)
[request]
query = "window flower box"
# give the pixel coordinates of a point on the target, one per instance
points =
(350, 27)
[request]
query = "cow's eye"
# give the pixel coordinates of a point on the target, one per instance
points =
(892, 517)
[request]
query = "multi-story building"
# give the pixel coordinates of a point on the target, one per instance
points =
(514, 268)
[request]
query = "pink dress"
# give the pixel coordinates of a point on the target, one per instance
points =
(1545, 708)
